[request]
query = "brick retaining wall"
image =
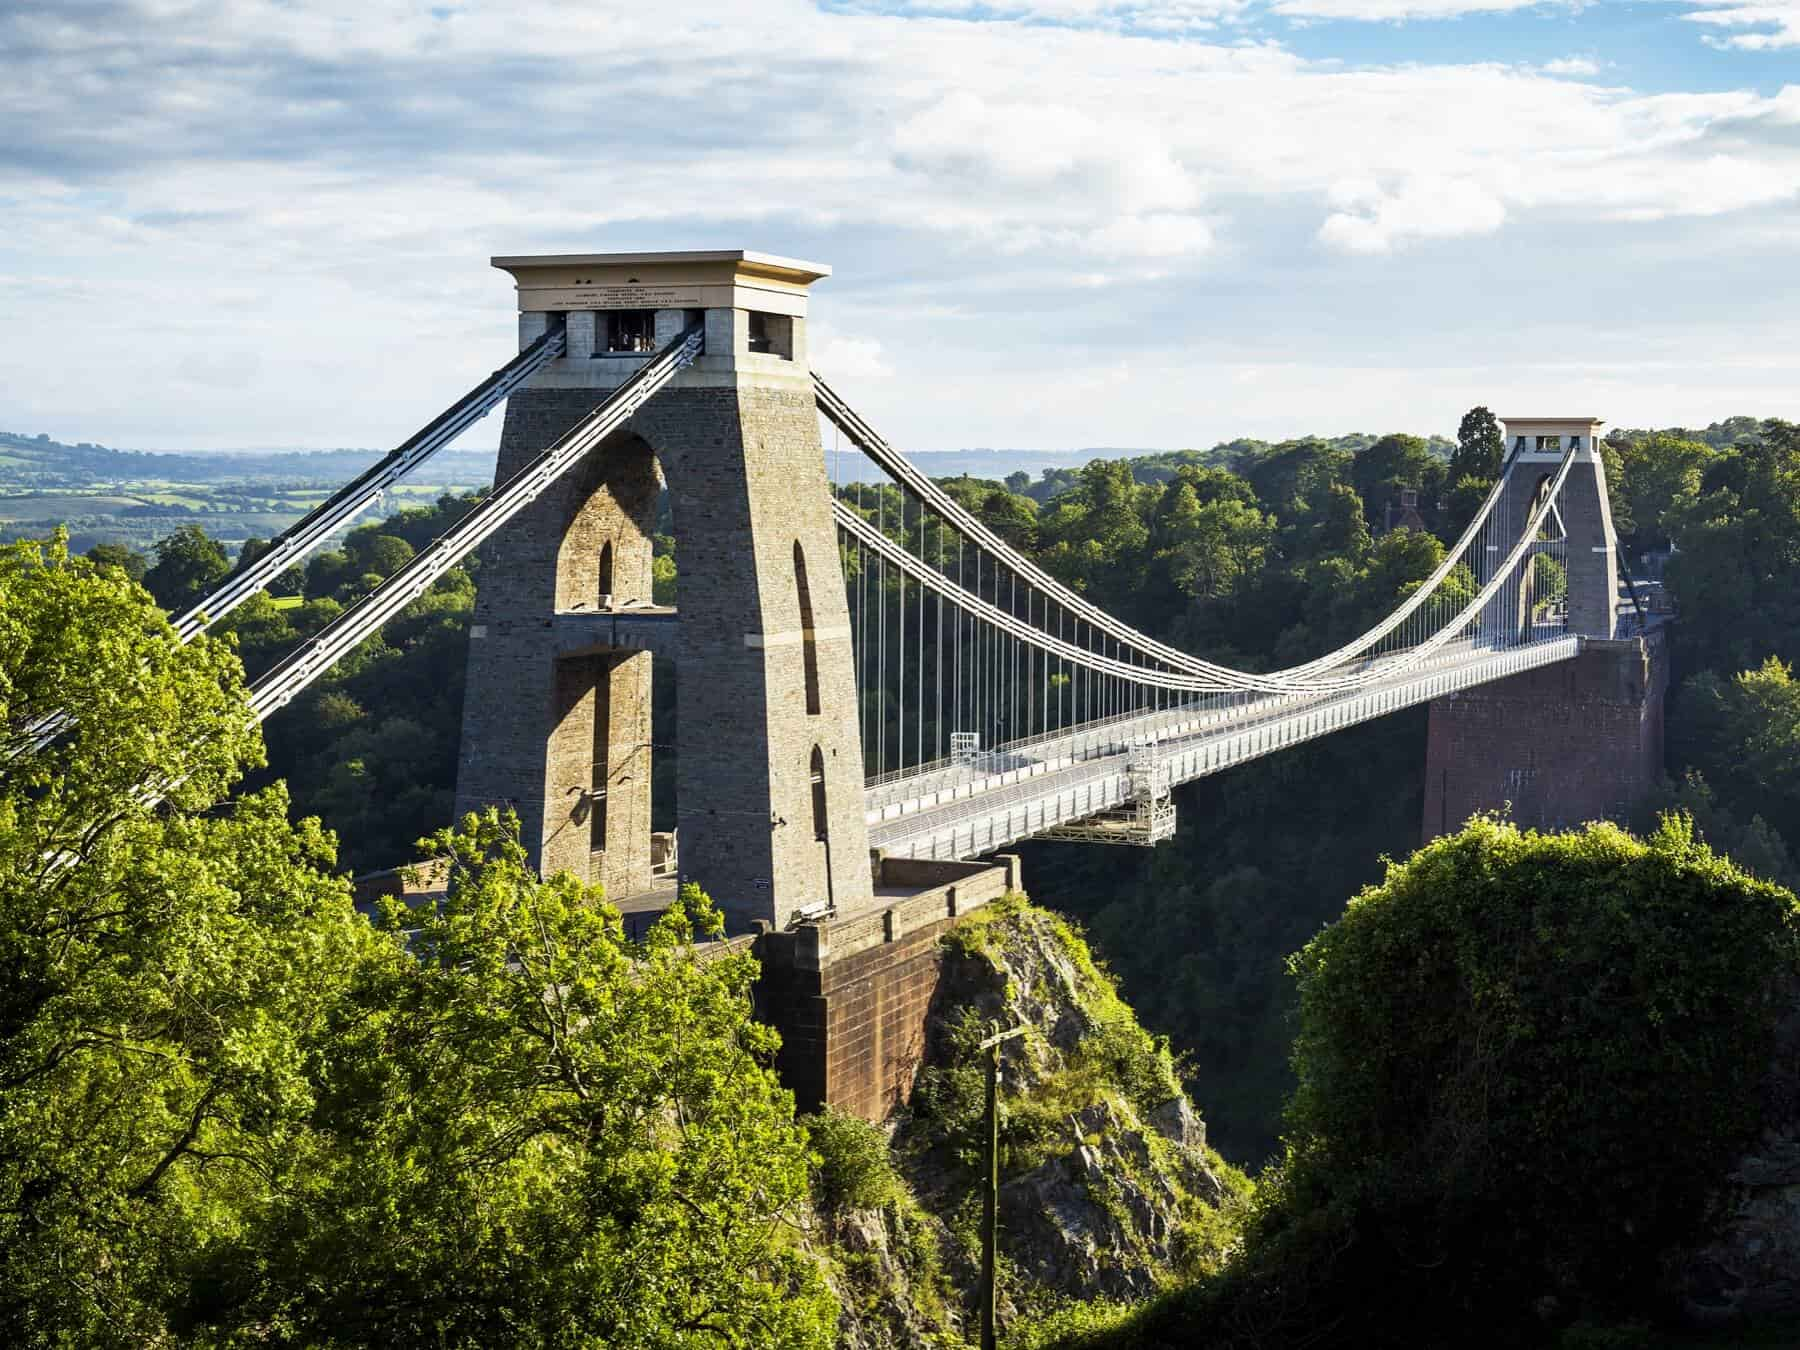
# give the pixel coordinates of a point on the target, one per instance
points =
(851, 997)
(1568, 743)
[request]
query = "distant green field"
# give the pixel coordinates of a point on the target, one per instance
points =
(61, 505)
(137, 512)
(287, 601)
(165, 498)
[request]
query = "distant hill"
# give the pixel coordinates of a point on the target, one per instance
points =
(39, 462)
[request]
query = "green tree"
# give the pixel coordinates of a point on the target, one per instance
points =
(1751, 844)
(1293, 476)
(1212, 550)
(1012, 517)
(547, 1135)
(1480, 448)
(1743, 735)
(1391, 464)
(164, 974)
(1339, 529)
(327, 572)
(1462, 503)
(233, 1112)
(1736, 578)
(127, 559)
(1660, 481)
(1525, 1063)
(380, 553)
(188, 563)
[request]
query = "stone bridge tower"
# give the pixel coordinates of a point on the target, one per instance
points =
(1538, 445)
(557, 718)
(1581, 739)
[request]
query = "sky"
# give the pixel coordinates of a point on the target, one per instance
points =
(1051, 223)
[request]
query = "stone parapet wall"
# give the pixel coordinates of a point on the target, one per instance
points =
(410, 882)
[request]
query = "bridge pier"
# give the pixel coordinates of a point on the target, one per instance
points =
(1564, 744)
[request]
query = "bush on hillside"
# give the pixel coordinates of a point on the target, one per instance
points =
(851, 1168)
(1525, 1064)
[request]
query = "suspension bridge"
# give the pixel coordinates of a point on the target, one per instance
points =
(941, 698)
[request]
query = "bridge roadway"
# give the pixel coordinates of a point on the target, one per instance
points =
(1027, 787)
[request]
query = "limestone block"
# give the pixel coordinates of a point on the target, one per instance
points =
(723, 330)
(669, 323)
(581, 335)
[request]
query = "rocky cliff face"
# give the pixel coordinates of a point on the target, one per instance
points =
(1108, 1188)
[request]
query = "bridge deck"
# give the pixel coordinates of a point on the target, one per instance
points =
(1021, 790)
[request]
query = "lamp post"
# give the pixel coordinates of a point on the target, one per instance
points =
(990, 1199)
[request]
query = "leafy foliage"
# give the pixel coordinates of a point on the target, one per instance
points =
(1480, 448)
(188, 563)
(1525, 1061)
(232, 1111)
(852, 1169)
(538, 1130)
(165, 977)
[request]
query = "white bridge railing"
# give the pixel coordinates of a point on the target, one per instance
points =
(1089, 774)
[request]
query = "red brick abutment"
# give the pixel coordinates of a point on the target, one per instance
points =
(1558, 746)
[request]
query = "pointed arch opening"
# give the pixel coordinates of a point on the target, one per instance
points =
(821, 822)
(808, 652)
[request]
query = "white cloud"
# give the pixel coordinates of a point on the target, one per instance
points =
(1376, 221)
(1165, 16)
(1578, 66)
(1774, 25)
(1160, 235)
(843, 355)
(1393, 10)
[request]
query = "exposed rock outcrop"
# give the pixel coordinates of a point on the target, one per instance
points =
(1108, 1188)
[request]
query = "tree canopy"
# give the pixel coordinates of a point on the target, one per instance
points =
(1480, 448)
(233, 1111)
(1526, 1063)
(188, 563)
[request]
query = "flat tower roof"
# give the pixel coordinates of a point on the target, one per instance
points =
(749, 260)
(1560, 421)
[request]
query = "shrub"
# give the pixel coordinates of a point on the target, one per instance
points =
(1526, 1063)
(852, 1169)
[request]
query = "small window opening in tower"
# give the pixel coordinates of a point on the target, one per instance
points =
(772, 334)
(808, 653)
(1519, 444)
(1549, 442)
(821, 826)
(606, 575)
(627, 332)
(1574, 442)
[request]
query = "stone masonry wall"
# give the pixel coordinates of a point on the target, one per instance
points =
(851, 997)
(747, 484)
(1564, 744)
